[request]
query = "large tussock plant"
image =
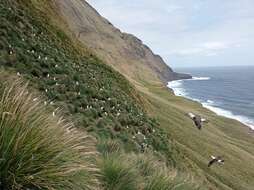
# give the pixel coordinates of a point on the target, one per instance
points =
(37, 149)
(116, 174)
(157, 175)
(146, 171)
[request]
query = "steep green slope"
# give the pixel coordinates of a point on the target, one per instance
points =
(95, 96)
(220, 136)
(98, 99)
(101, 101)
(225, 137)
(92, 95)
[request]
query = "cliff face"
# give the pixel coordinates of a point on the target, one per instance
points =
(124, 52)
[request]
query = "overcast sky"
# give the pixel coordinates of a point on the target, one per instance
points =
(188, 32)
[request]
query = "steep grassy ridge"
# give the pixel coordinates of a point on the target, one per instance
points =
(102, 102)
(95, 96)
(124, 52)
(220, 137)
(98, 100)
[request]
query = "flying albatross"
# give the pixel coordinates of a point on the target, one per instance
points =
(197, 120)
(215, 159)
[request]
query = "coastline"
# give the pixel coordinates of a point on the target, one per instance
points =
(178, 90)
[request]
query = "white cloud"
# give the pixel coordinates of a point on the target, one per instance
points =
(211, 48)
(215, 45)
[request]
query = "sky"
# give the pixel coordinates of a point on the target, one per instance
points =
(188, 33)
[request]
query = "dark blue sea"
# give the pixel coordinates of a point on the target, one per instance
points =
(228, 91)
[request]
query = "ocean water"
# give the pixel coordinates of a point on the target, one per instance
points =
(228, 91)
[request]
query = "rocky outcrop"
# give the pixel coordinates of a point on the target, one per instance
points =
(124, 52)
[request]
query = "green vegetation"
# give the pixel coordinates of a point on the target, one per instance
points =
(116, 174)
(135, 150)
(146, 171)
(220, 136)
(38, 150)
(158, 175)
(92, 95)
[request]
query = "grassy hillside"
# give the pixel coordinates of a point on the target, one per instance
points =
(69, 79)
(136, 151)
(224, 137)
(41, 150)
(220, 136)
(97, 98)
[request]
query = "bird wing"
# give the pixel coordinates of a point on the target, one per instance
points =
(221, 161)
(203, 119)
(211, 162)
(191, 115)
(213, 157)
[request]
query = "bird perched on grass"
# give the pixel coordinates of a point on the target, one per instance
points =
(215, 159)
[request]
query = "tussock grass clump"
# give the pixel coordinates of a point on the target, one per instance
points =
(143, 171)
(148, 163)
(117, 173)
(107, 147)
(163, 181)
(37, 149)
(156, 175)
(158, 182)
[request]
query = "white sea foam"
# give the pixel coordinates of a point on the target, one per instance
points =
(210, 102)
(219, 111)
(177, 87)
(200, 78)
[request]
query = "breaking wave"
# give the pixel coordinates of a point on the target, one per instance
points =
(222, 112)
(178, 88)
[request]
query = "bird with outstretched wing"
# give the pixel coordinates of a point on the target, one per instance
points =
(215, 159)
